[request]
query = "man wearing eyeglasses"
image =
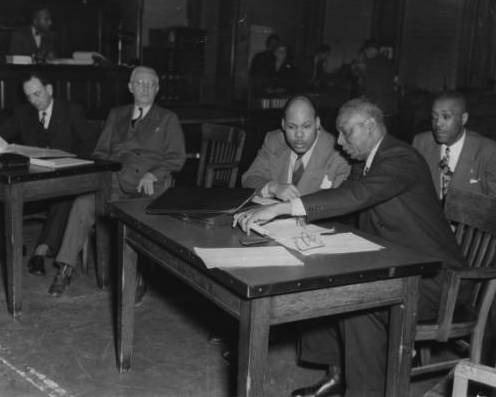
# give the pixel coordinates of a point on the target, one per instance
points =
(148, 141)
(396, 200)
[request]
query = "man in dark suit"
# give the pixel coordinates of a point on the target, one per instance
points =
(148, 141)
(396, 200)
(471, 159)
(301, 142)
(48, 122)
(35, 40)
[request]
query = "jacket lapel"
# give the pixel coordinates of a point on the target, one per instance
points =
(465, 162)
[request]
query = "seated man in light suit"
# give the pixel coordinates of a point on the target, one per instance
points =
(148, 141)
(277, 174)
(299, 159)
(396, 201)
(458, 158)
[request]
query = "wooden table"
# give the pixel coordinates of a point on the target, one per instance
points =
(38, 183)
(261, 297)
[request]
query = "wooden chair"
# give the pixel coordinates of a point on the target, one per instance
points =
(466, 371)
(220, 155)
(473, 218)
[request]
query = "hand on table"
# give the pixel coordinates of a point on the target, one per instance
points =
(146, 184)
(263, 214)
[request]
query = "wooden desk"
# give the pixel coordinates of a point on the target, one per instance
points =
(18, 187)
(262, 297)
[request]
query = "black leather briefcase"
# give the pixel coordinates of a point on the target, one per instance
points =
(13, 161)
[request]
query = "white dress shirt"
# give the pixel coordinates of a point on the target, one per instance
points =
(146, 109)
(36, 36)
(455, 150)
(292, 160)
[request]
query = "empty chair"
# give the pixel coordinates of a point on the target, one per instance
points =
(473, 217)
(220, 155)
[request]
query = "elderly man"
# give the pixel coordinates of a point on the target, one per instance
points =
(458, 158)
(298, 159)
(148, 141)
(396, 200)
(35, 40)
(48, 122)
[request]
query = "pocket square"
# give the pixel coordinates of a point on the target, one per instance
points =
(473, 180)
(326, 183)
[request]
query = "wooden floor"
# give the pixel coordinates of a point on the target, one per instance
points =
(65, 346)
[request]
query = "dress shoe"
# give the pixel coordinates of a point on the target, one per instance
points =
(36, 265)
(61, 280)
(329, 385)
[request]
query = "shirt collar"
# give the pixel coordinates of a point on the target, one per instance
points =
(146, 109)
(370, 157)
(455, 147)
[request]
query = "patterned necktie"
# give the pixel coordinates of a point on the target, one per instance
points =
(298, 170)
(446, 173)
(138, 118)
(43, 118)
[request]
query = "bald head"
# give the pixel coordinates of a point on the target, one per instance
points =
(144, 85)
(300, 124)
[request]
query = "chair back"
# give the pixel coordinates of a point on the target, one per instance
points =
(220, 155)
(474, 218)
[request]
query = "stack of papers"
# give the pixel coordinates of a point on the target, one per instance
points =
(61, 162)
(247, 257)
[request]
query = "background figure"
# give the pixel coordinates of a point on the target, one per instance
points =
(54, 123)
(262, 68)
(287, 78)
(375, 76)
(35, 40)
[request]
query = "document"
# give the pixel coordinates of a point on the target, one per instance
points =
(61, 162)
(247, 257)
(32, 151)
(312, 239)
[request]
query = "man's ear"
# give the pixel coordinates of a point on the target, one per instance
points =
(317, 123)
(283, 124)
(49, 89)
(464, 118)
(130, 88)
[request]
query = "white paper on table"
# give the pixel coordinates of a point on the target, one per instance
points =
(247, 257)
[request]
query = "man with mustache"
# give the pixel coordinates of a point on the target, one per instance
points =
(458, 158)
(299, 158)
(396, 200)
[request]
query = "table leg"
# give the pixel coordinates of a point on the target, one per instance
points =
(125, 305)
(401, 338)
(254, 326)
(102, 231)
(13, 210)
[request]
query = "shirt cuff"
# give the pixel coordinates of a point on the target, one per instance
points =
(264, 192)
(297, 208)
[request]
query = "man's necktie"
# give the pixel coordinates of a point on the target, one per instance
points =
(298, 170)
(43, 119)
(137, 118)
(446, 173)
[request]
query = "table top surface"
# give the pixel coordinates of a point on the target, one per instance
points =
(34, 173)
(319, 271)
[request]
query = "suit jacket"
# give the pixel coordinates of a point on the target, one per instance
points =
(396, 200)
(272, 164)
(155, 145)
(22, 43)
(66, 130)
(476, 167)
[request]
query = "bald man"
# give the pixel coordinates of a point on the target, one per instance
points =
(299, 158)
(470, 158)
(148, 141)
